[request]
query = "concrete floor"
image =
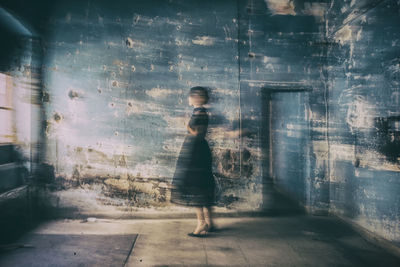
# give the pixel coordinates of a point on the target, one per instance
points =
(264, 241)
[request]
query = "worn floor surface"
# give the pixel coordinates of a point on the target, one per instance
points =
(265, 241)
(39, 249)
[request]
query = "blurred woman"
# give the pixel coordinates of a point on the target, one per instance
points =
(193, 182)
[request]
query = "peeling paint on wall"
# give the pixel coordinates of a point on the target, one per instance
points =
(204, 40)
(279, 7)
(362, 166)
(162, 93)
(360, 114)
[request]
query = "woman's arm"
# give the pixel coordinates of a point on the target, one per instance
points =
(191, 131)
(197, 130)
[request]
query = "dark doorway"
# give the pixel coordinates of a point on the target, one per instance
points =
(285, 141)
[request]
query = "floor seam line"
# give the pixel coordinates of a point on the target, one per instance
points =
(131, 250)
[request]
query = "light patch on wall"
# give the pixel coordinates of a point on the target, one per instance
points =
(94, 158)
(150, 169)
(120, 184)
(145, 188)
(162, 93)
(358, 36)
(112, 44)
(119, 63)
(321, 152)
(315, 9)
(341, 152)
(360, 77)
(344, 35)
(76, 112)
(204, 40)
(226, 91)
(297, 127)
(68, 18)
(176, 122)
(223, 133)
(133, 106)
(281, 7)
(360, 114)
(270, 59)
(111, 147)
(170, 145)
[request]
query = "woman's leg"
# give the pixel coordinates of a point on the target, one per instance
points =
(207, 211)
(201, 223)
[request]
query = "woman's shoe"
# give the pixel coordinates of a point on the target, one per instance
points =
(202, 232)
(197, 235)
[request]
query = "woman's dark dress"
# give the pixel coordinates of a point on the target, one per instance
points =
(193, 182)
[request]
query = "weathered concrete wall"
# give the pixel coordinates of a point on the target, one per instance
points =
(117, 79)
(363, 85)
(334, 123)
